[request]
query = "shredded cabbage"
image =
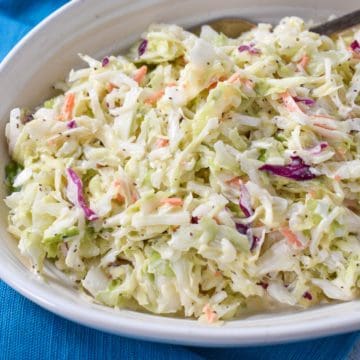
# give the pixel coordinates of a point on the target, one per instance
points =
(203, 177)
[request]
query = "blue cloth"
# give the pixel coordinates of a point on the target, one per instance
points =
(29, 332)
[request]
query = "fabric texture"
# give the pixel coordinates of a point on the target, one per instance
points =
(29, 332)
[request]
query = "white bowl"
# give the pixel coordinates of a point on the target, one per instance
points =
(102, 27)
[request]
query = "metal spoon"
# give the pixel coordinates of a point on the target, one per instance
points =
(234, 27)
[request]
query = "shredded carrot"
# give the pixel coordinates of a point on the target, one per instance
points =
(312, 193)
(68, 107)
(291, 237)
(337, 178)
(51, 142)
(324, 126)
(323, 116)
(162, 143)
(153, 98)
(119, 198)
(303, 62)
(248, 83)
(134, 196)
(213, 85)
(235, 181)
(234, 78)
(290, 103)
(172, 201)
(217, 273)
(171, 84)
(215, 81)
(118, 185)
(210, 314)
(111, 86)
(140, 74)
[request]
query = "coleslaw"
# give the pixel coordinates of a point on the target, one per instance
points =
(202, 177)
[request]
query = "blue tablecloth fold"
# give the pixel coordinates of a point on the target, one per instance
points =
(29, 332)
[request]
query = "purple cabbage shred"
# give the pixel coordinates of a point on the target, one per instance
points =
(263, 284)
(71, 124)
(296, 170)
(250, 49)
(242, 228)
(142, 47)
(316, 150)
(355, 46)
(254, 243)
(194, 220)
(80, 199)
(306, 101)
(105, 61)
(245, 230)
(307, 295)
(28, 118)
(245, 201)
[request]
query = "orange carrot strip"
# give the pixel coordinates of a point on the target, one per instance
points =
(119, 184)
(290, 103)
(153, 98)
(291, 237)
(234, 78)
(213, 85)
(210, 314)
(68, 107)
(324, 116)
(111, 86)
(140, 74)
(324, 126)
(172, 201)
(235, 181)
(162, 143)
(119, 198)
(337, 178)
(303, 62)
(248, 83)
(134, 196)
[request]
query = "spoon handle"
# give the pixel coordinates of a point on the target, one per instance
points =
(338, 24)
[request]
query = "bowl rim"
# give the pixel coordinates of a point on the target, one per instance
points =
(176, 331)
